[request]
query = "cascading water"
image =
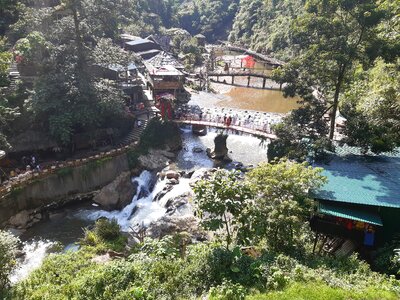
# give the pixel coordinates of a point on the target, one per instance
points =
(35, 252)
(142, 210)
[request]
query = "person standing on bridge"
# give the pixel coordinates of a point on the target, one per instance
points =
(229, 121)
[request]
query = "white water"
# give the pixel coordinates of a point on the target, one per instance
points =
(142, 211)
(35, 252)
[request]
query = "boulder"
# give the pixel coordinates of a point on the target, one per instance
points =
(118, 193)
(202, 173)
(156, 159)
(220, 151)
(173, 181)
(161, 194)
(21, 219)
(200, 130)
(172, 174)
(197, 150)
(170, 225)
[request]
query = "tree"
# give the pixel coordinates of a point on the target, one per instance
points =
(7, 112)
(331, 36)
(8, 13)
(221, 200)
(8, 248)
(282, 206)
(372, 108)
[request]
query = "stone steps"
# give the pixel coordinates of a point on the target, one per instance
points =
(134, 134)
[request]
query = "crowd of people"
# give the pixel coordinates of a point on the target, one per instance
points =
(262, 121)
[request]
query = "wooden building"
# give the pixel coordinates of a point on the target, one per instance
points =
(361, 200)
(143, 47)
(164, 75)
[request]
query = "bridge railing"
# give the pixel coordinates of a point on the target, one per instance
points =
(263, 130)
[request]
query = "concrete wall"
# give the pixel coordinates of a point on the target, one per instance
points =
(63, 184)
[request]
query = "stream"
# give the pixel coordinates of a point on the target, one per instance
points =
(65, 227)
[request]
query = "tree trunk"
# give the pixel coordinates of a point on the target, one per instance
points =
(228, 234)
(78, 36)
(336, 100)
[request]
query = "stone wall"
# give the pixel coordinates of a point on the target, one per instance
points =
(62, 185)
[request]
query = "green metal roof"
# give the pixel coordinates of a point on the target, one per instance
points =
(365, 180)
(349, 213)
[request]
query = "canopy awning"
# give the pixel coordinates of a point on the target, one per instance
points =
(349, 213)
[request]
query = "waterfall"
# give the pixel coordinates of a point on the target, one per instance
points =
(142, 209)
(35, 252)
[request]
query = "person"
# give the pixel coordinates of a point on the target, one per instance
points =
(33, 161)
(139, 123)
(25, 161)
(229, 121)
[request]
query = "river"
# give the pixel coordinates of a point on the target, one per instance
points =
(65, 227)
(257, 99)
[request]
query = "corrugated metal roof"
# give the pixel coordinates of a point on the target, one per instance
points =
(139, 42)
(349, 213)
(366, 180)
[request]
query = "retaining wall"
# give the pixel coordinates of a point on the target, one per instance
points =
(61, 184)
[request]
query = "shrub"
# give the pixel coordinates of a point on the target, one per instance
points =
(320, 291)
(228, 291)
(8, 248)
(105, 235)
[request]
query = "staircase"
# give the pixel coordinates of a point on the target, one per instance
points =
(13, 75)
(134, 134)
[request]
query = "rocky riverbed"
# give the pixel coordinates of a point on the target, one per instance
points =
(159, 197)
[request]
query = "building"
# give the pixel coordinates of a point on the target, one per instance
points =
(361, 200)
(115, 72)
(127, 79)
(164, 75)
(143, 47)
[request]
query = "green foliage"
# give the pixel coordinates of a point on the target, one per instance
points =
(211, 18)
(281, 208)
(105, 235)
(227, 291)
(321, 291)
(221, 201)
(133, 157)
(8, 248)
(158, 134)
(33, 48)
(386, 258)
(64, 172)
(207, 269)
(270, 203)
(372, 108)
(9, 14)
(265, 26)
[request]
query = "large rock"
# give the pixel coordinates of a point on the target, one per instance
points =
(200, 174)
(25, 219)
(156, 159)
(220, 151)
(21, 219)
(118, 193)
(200, 130)
(170, 225)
